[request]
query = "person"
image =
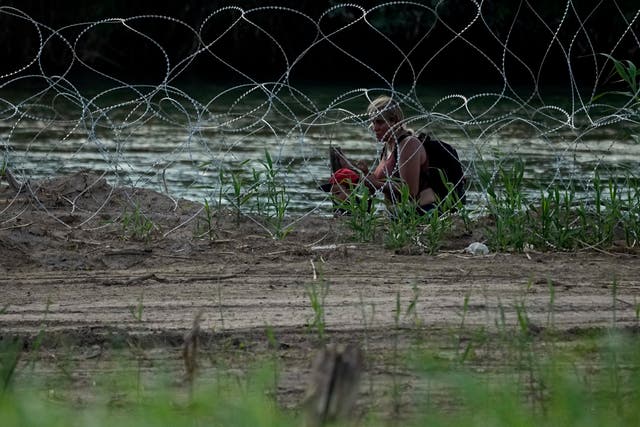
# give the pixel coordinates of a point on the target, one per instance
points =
(403, 160)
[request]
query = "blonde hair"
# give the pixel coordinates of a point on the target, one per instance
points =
(387, 108)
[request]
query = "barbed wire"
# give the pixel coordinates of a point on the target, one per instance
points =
(193, 141)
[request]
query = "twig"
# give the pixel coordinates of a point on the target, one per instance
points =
(71, 202)
(285, 251)
(13, 182)
(16, 226)
(595, 248)
(625, 302)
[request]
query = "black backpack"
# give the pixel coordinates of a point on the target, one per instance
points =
(444, 163)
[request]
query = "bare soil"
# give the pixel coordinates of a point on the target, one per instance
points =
(70, 268)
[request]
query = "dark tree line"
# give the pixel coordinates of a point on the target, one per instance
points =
(444, 40)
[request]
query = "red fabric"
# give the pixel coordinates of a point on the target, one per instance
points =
(342, 175)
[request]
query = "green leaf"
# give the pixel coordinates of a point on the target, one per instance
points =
(621, 70)
(269, 160)
(614, 92)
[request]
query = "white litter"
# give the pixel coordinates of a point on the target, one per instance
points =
(330, 247)
(477, 248)
(324, 247)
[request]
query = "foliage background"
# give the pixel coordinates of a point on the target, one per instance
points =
(454, 39)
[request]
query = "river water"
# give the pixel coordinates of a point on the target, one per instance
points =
(190, 141)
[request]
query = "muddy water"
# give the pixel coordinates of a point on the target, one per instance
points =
(181, 142)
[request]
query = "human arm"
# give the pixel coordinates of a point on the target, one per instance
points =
(411, 156)
(339, 160)
(379, 180)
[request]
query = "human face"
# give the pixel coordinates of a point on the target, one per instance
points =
(382, 128)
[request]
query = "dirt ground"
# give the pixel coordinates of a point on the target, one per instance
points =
(68, 266)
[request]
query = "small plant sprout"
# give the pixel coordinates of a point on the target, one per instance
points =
(630, 75)
(272, 199)
(138, 310)
(242, 190)
(405, 220)
(317, 291)
(434, 230)
(507, 207)
(274, 345)
(137, 225)
(361, 216)
(439, 221)
(209, 227)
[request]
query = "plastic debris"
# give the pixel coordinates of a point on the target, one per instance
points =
(477, 248)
